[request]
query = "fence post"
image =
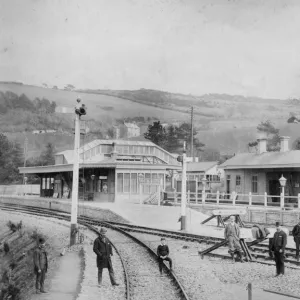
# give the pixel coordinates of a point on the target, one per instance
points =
(218, 197)
(203, 196)
(196, 191)
(266, 199)
(250, 198)
(249, 291)
(299, 200)
(233, 198)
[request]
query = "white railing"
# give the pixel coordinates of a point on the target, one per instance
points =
(19, 189)
(236, 199)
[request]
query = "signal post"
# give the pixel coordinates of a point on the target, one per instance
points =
(79, 111)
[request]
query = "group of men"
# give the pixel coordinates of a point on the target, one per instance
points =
(103, 250)
(277, 244)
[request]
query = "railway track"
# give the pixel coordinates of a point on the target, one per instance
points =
(259, 252)
(138, 260)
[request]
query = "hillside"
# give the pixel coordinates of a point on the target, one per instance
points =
(227, 122)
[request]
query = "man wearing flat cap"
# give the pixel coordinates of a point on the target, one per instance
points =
(278, 246)
(103, 250)
(40, 262)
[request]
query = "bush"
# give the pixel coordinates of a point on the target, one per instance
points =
(20, 225)
(11, 292)
(6, 248)
(36, 235)
(12, 226)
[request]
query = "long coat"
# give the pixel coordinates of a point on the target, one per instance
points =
(279, 241)
(40, 260)
(103, 251)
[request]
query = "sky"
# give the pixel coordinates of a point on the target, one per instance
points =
(245, 47)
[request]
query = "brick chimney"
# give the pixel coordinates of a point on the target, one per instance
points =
(284, 143)
(262, 145)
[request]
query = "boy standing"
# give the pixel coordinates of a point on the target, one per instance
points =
(163, 254)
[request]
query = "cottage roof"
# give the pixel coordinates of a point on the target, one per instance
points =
(131, 125)
(202, 166)
(288, 159)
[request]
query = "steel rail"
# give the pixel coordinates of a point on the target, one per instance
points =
(45, 213)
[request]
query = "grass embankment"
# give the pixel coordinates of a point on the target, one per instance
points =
(17, 244)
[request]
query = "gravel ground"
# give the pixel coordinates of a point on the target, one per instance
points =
(214, 278)
(144, 276)
(89, 285)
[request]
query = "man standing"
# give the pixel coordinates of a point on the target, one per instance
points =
(163, 254)
(232, 235)
(40, 261)
(103, 250)
(279, 243)
(296, 235)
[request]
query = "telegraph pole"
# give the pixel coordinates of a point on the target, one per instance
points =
(79, 111)
(192, 133)
(183, 190)
(25, 155)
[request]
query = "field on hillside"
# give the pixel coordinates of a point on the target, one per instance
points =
(100, 107)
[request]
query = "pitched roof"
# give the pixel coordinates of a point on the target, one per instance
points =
(131, 125)
(202, 166)
(287, 159)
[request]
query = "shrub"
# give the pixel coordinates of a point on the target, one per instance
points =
(20, 225)
(12, 265)
(12, 226)
(6, 248)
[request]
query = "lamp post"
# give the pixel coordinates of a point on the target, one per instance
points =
(93, 177)
(282, 181)
(203, 180)
(25, 181)
(79, 111)
(183, 189)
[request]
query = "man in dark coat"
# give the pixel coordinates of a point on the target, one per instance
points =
(103, 250)
(279, 243)
(40, 261)
(296, 235)
(163, 254)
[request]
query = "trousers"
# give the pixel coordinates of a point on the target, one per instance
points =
(234, 245)
(270, 248)
(297, 241)
(40, 279)
(161, 260)
(279, 260)
(111, 275)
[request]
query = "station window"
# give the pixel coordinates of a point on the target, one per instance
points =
(93, 152)
(126, 188)
(254, 184)
(133, 183)
(97, 149)
(120, 183)
(238, 180)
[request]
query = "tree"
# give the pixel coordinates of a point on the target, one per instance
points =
(210, 154)
(47, 156)
(156, 133)
(271, 133)
(69, 87)
(11, 157)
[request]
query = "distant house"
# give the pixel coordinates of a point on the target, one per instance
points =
(126, 130)
(260, 172)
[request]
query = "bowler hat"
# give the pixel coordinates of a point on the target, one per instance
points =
(277, 224)
(41, 240)
(103, 230)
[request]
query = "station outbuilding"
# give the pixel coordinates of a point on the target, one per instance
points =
(109, 171)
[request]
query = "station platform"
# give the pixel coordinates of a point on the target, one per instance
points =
(161, 217)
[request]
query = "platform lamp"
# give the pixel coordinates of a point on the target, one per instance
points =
(80, 110)
(182, 159)
(93, 178)
(25, 181)
(203, 180)
(282, 181)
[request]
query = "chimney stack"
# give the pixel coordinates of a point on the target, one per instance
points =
(262, 145)
(284, 143)
(114, 152)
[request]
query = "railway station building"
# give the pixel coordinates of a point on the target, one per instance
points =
(109, 171)
(259, 173)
